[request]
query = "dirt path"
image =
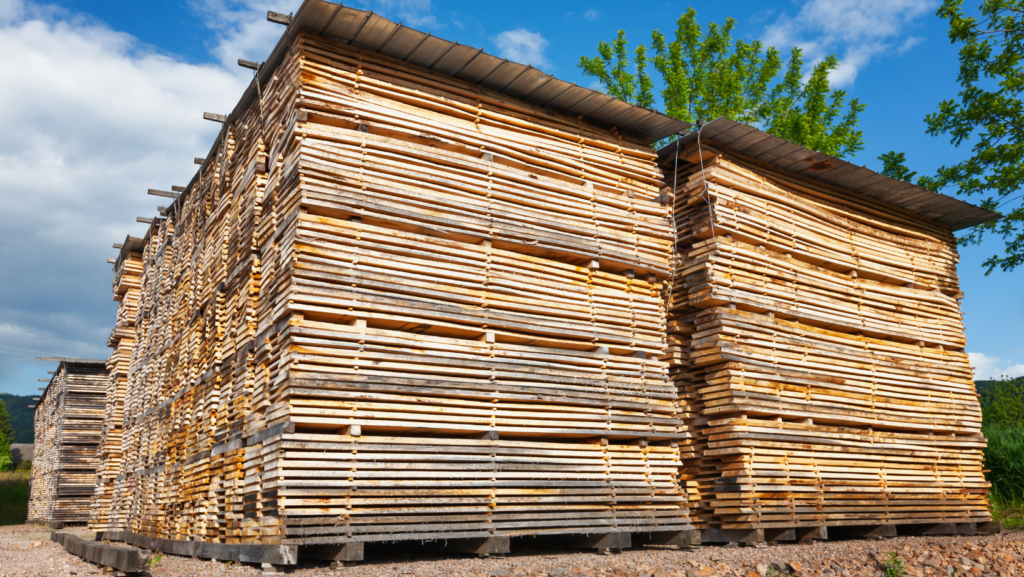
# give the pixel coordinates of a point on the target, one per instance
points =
(983, 556)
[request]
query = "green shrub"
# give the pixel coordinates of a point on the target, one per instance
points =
(1002, 402)
(893, 566)
(1004, 459)
(6, 464)
(25, 465)
(13, 498)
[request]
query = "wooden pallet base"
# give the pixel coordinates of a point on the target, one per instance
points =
(716, 535)
(119, 558)
(342, 552)
(272, 554)
(603, 542)
(991, 527)
(780, 534)
(274, 558)
(796, 534)
(681, 539)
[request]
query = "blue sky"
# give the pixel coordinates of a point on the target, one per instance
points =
(102, 100)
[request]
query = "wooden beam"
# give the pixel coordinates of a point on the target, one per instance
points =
(278, 18)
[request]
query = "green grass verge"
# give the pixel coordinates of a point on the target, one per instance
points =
(1004, 460)
(13, 497)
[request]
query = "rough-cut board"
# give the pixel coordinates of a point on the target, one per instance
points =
(816, 340)
(68, 422)
(395, 306)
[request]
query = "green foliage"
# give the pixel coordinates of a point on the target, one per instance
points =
(21, 417)
(13, 498)
(990, 108)
(894, 164)
(894, 566)
(1010, 514)
(1002, 409)
(1004, 459)
(5, 424)
(5, 454)
(24, 466)
(153, 561)
(708, 75)
(1002, 402)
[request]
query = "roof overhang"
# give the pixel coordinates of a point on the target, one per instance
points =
(370, 31)
(758, 145)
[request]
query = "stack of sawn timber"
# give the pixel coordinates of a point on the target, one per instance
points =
(126, 288)
(68, 423)
(393, 305)
(817, 342)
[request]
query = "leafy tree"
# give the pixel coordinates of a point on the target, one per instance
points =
(894, 164)
(5, 423)
(6, 463)
(1002, 402)
(6, 436)
(707, 75)
(990, 108)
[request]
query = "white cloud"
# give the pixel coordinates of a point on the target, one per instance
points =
(910, 42)
(91, 118)
(855, 30)
(522, 46)
(987, 367)
(591, 14)
(241, 29)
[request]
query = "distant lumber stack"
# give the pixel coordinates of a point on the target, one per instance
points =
(816, 340)
(68, 423)
(394, 304)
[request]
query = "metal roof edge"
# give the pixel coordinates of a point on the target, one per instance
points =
(944, 209)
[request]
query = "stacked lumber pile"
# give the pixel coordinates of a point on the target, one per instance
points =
(126, 288)
(68, 423)
(393, 305)
(817, 344)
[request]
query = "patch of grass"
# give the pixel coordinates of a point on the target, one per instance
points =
(1004, 460)
(13, 497)
(1011, 514)
(893, 566)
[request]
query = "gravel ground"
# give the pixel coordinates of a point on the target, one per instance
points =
(25, 551)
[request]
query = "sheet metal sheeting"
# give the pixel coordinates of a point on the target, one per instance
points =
(785, 155)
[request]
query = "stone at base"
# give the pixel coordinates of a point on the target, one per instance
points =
(271, 569)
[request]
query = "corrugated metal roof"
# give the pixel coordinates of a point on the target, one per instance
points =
(783, 154)
(524, 82)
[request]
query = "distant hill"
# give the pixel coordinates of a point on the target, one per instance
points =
(22, 417)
